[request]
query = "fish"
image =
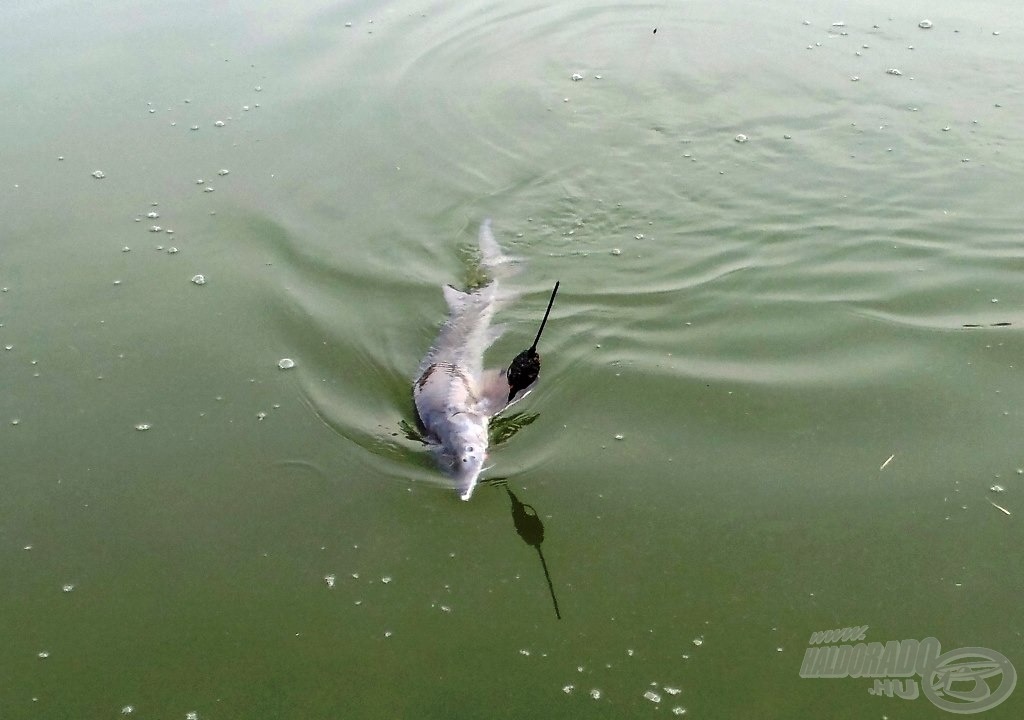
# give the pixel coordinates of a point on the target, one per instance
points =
(454, 396)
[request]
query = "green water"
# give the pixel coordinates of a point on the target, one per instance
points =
(745, 333)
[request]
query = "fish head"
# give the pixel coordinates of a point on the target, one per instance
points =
(467, 448)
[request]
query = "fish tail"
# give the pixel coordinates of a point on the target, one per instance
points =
(492, 257)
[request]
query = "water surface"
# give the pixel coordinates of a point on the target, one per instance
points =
(746, 332)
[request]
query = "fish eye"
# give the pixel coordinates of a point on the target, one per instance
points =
(470, 448)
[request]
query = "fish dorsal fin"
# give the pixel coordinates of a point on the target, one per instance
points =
(455, 298)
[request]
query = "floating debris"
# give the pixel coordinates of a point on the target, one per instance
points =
(576, 77)
(199, 279)
(893, 71)
(98, 174)
(568, 689)
(329, 579)
(67, 587)
(925, 24)
(887, 461)
(219, 123)
(595, 693)
(698, 641)
(678, 710)
(997, 489)
(127, 710)
(172, 250)
(155, 228)
(153, 215)
(620, 436)
(43, 654)
(286, 363)
(223, 171)
(741, 138)
(616, 251)
(143, 427)
(999, 507)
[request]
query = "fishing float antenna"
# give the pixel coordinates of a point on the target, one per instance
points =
(547, 312)
(525, 366)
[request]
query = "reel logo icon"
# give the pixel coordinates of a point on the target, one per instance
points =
(963, 681)
(958, 682)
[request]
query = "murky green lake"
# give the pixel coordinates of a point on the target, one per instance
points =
(782, 388)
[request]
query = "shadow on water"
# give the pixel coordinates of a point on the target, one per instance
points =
(530, 528)
(525, 519)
